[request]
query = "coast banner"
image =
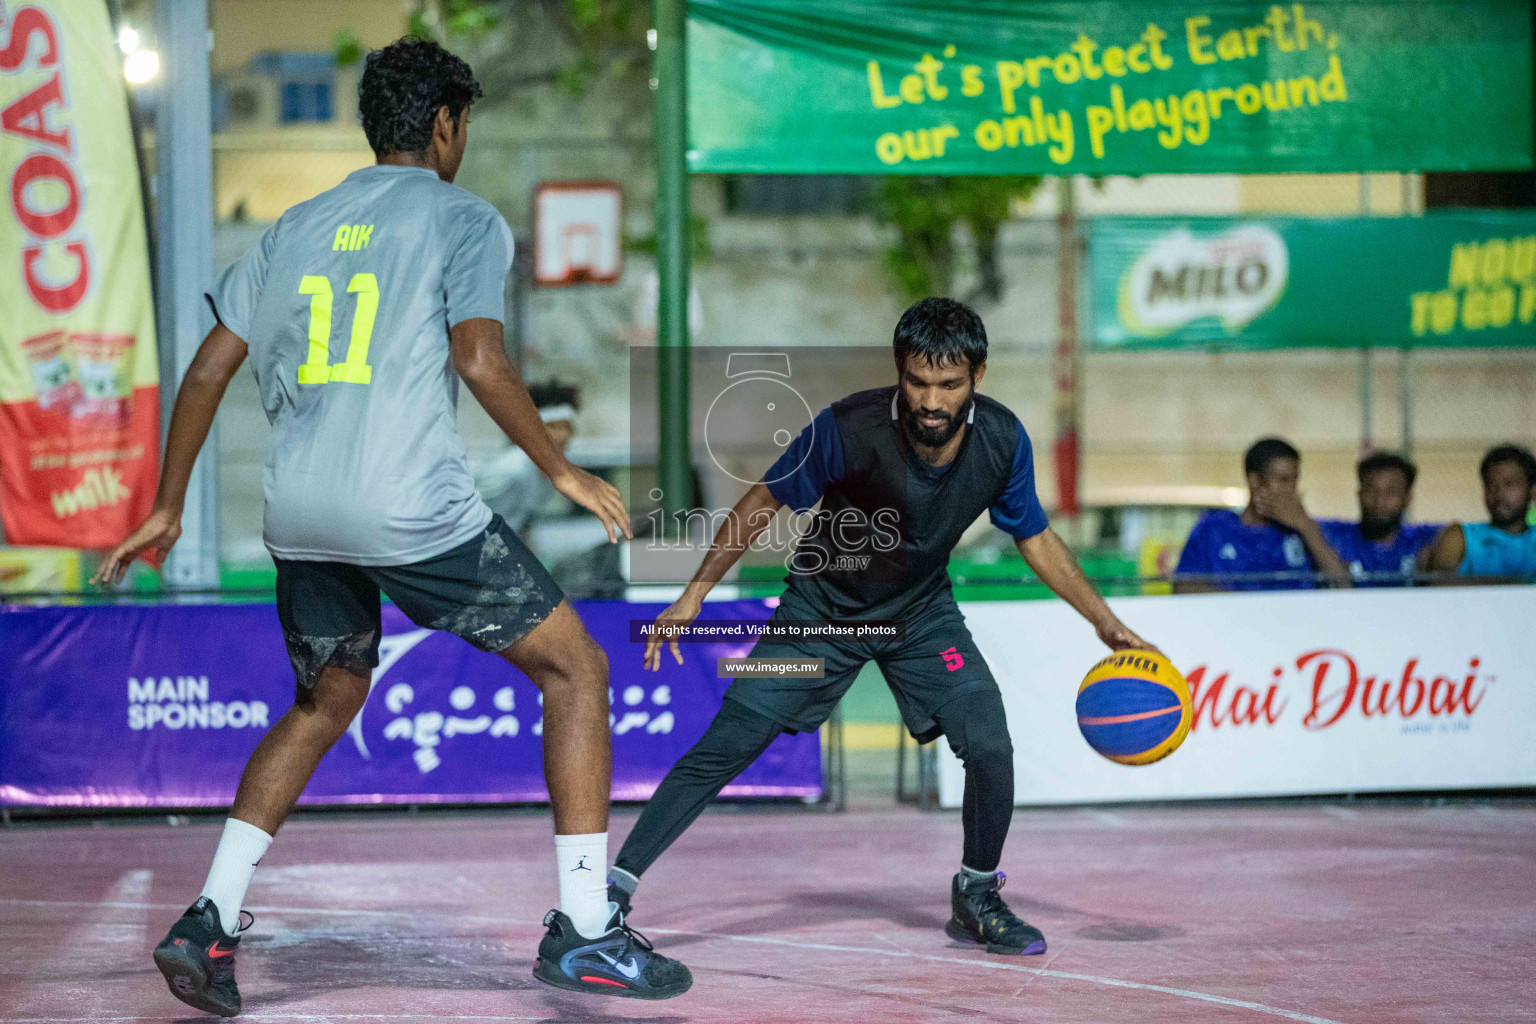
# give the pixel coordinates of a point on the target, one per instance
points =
(79, 384)
(1087, 87)
(1445, 280)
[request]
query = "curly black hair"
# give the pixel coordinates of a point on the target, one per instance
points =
(942, 331)
(402, 88)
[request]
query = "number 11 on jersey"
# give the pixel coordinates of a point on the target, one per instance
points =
(318, 369)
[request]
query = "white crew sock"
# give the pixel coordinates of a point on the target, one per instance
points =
(240, 850)
(582, 862)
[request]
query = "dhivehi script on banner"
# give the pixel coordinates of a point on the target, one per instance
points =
(79, 398)
(1464, 279)
(1084, 87)
(161, 706)
(1336, 692)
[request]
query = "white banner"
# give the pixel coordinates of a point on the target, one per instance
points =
(1334, 692)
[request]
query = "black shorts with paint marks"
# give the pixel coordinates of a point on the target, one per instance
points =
(490, 590)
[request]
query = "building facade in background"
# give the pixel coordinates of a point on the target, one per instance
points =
(800, 261)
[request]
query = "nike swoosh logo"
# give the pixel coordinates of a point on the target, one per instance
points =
(215, 952)
(628, 968)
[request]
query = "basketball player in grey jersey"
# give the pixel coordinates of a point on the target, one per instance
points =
(360, 310)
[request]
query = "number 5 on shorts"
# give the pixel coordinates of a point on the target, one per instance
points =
(318, 369)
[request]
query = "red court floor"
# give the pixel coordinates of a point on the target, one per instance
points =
(1367, 914)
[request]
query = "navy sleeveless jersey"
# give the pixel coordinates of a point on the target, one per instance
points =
(881, 541)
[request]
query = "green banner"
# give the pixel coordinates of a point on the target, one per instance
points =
(1124, 87)
(1443, 280)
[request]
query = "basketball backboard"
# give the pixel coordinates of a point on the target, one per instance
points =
(577, 233)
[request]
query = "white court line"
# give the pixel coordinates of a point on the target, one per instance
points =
(1205, 997)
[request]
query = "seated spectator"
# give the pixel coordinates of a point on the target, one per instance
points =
(1504, 547)
(1381, 550)
(1273, 541)
(511, 484)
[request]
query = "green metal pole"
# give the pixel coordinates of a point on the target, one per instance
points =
(672, 253)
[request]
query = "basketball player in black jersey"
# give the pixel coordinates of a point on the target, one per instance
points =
(900, 472)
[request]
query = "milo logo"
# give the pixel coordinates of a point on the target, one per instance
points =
(1233, 277)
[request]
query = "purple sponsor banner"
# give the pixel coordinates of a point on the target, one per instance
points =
(129, 706)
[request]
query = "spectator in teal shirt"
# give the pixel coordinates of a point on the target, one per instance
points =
(1504, 548)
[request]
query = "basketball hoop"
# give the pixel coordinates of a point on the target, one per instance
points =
(576, 233)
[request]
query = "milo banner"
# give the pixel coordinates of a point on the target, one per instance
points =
(1085, 87)
(1464, 280)
(79, 420)
(161, 706)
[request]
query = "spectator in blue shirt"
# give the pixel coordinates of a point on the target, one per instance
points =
(1381, 549)
(1504, 548)
(1273, 541)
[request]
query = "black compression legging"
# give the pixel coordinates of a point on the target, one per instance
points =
(974, 724)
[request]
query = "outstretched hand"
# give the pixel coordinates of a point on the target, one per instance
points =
(681, 614)
(159, 532)
(599, 497)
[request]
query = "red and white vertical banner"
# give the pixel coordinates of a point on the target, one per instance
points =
(1302, 692)
(79, 384)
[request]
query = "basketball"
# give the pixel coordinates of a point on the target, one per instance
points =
(1134, 707)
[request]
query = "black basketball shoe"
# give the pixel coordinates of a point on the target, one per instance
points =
(620, 963)
(980, 916)
(198, 959)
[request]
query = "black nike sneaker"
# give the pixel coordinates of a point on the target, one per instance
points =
(980, 916)
(198, 959)
(620, 963)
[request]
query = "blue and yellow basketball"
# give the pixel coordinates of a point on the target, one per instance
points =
(1134, 707)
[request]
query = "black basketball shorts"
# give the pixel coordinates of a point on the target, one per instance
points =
(935, 661)
(490, 590)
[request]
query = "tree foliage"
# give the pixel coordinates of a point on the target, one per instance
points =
(579, 45)
(572, 44)
(925, 210)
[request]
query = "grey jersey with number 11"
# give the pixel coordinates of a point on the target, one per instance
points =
(346, 304)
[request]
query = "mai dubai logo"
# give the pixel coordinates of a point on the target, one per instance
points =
(1233, 277)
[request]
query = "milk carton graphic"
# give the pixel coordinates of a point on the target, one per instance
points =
(104, 365)
(53, 375)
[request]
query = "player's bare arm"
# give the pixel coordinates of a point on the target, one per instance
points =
(1446, 551)
(480, 357)
(218, 359)
(750, 516)
(1445, 555)
(1051, 559)
(1285, 507)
